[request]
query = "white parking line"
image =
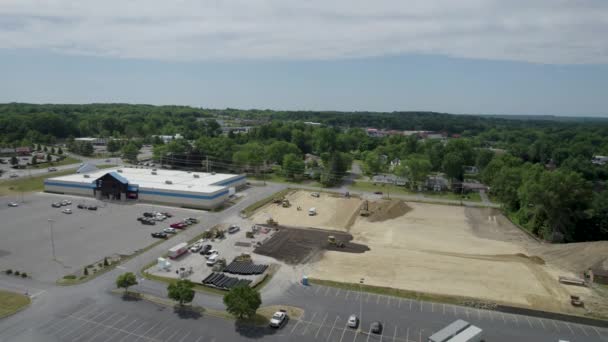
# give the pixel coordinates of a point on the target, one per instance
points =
(367, 298)
(369, 333)
(332, 328)
(516, 320)
(327, 292)
(309, 322)
(347, 293)
(317, 289)
(338, 292)
(399, 306)
(541, 323)
(105, 327)
(343, 331)
(478, 314)
(596, 331)
(407, 336)
(388, 300)
(295, 326)
(568, 325)
(159, 333)
(466, 311)
(454, 309)
(118, 330)
(358, 295)
(529, 322)
(443, 308)
(504, 320)
(147, 331)
(139, 326)
(86, 330)
(395, 334)
(172, 336)
(432, 306)
(555, 325)
(321, 326)
(421, 304)
(183, 338)
(410, 304)
(580, 327)
(57, 332)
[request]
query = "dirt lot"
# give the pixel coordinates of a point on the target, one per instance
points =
(299, 245)
(333, 211)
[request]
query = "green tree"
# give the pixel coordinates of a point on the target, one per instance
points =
(52, 150)
(38, 148)
(372, 163)
(113, 146)
(250, 154)
(484, 157)
(278, 149)
(87, 149)
(59, 151)
(130, 152)
(34, 160)
(49, 158)
(126, 280)
(14, 161)
(181, 291)
(242, 301)
(45, 149)
(453, 163)
(417, 169)
(293, 166)
(324, 140)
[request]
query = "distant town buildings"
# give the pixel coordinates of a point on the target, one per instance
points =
(168, 138)
(379, 133)
(599, 160)
(93, 141)
(309, 123)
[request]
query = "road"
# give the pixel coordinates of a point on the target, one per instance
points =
(89, 312)
(35, 172)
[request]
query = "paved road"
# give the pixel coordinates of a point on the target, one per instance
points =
(89, 312)
(35, 172)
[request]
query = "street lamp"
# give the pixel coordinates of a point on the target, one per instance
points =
(361, 301)
(51, 221)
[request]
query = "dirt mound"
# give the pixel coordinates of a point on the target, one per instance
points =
(299, 245)
(386, 210)
(575, 257)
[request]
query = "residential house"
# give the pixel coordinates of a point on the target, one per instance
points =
(389, 179)
(471, 170)
(7, 152)
(394, 163)
(436, 183)
(599, 160)
(23, 151)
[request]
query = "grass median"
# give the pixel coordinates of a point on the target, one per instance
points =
(11, 303)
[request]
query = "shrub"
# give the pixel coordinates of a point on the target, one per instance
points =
(9, 271)
(23, 275)
(249, 235)
(105, 262)
(17, 273)
(86, 272)
(69, 276)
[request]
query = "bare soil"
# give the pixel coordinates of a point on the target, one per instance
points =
(299, 245)
(383, 210)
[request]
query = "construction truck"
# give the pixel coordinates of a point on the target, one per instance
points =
(285, 203)
(333, 242)
(364, 209)
(271, 222)
(577, 301)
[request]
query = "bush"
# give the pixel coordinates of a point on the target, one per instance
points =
(69, 276)
(23, 275)
(249, 235)
(105, 262)
(17, 273)
(9, 271)
(86, 272)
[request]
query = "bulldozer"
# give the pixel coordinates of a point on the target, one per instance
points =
(333, 242)
(364, 209)
(285, 203)
(271, 222)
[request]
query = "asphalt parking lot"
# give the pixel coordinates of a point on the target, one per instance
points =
(80, 238)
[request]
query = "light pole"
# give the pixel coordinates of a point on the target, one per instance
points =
(52, 238)
(361, 301)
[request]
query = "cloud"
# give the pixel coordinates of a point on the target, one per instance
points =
(538, 31)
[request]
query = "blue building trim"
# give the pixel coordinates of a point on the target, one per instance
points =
(172, 194)
(70, 185)
(224, 183)
(118, 177)
(132, 187)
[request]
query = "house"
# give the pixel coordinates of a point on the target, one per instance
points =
(436, 183)
(168, 138)
(599, 160)
(310, 159)
(389, 179)
(466, 187)
(309, 123)
(93, 141)
(7, 152)
(23, 151)
(472, 170)
(394, 163)
(374, 132)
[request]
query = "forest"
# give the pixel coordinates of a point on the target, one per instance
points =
(540, 169)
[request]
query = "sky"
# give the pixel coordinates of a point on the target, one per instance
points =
(469, 56)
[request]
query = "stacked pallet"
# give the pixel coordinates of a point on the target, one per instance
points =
(245, 268)
(221, 281)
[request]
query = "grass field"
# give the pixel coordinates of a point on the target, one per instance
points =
(275, 178)
(11, 302)
(400, 190)
(66, 161)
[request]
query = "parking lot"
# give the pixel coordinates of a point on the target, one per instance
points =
(80, 238)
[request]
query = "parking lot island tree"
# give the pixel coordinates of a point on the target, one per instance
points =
(181, 291)
(242, 301)
(126, 280)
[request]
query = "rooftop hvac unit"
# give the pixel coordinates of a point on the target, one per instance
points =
(86, 176)
(154, 172)
(168, 182)
(196, 176)
(119, 170)
(153, 169)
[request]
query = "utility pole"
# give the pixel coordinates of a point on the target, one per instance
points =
(52, 238)
(361, 301)
(207, 162)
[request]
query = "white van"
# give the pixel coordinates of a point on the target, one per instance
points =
(312, 211)
(212, 260)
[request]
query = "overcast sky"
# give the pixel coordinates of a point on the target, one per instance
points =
(465, 56)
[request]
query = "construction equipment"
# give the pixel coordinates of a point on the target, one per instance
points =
(272, 222)
(285, 203)
(364, 209)
(577, 301)
(333, 242)
(572, 281)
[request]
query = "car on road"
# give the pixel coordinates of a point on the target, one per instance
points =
(378, 192)
(353, 321)
(278, 319)
(67, 211)
(108, 160)
(233, 229)
(52, 169)
(13, 204)
(170, 230)
(315, 194)
(159, 235)
(146, 220)
(56, 205)
(178, 225)
(206, 250)
(191, 219)
(376, 328)
(92, 207)
(195, 248)
(81, 206)
(65, 202)
(14, 175)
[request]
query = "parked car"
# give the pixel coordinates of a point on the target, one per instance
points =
(206, 249)
(212, 260)
(278, 319)
(233, 229)
(312, 211)
(178, 225)
(81, 206)
(56, 205)
(192, 219)
(14, 175)
(167, 214)
(159, 235)
(195, 248)
(376, 328)
(13, 204)
(378, 192)
(353, 321)
(52, 169)
(148, 214)
(170, 230)
(212, 254)
(67, 211)
(148, 221)
(92, 207)
(65, 202)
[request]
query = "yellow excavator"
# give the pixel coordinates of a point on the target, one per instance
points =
(333, 242)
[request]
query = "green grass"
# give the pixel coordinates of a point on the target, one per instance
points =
(29, 184)
(275, 178)
(66, 161)
(255, 206)
(400, 190)
(11, 303)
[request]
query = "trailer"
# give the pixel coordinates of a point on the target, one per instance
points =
(450, 331)
(470, 334)
(177, 250)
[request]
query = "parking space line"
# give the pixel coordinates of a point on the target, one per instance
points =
(150, 329)
(395, 334)
(105, 328)
(410, 304)
(101, 322)
(555, 325)
(199, 339)
(134, 330)
(317, 289)
(295, 326)
(568, 325)
(327, 292)
(367, 298)
(343, 331)
(347, 293)
(421, 304)
(377, 299)
(529, 322)
(407, 336)
(399, 306)
(541, 323)
(321, 326)
(83, 324)
(332, 328)
(159, 333)
(369, 333)
(388, 300)
(338, 292)
(596, 331)
(504, 320)
(356, 334)
(183, 338)
(454, 309)
(432, 307)
(479, 314)
(443, 308)
(118, 330)
(466, 311)
(516, 320)
(309, 322)
(172, 335)
(581, 328)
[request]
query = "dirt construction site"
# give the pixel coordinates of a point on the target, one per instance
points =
(435, 249)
